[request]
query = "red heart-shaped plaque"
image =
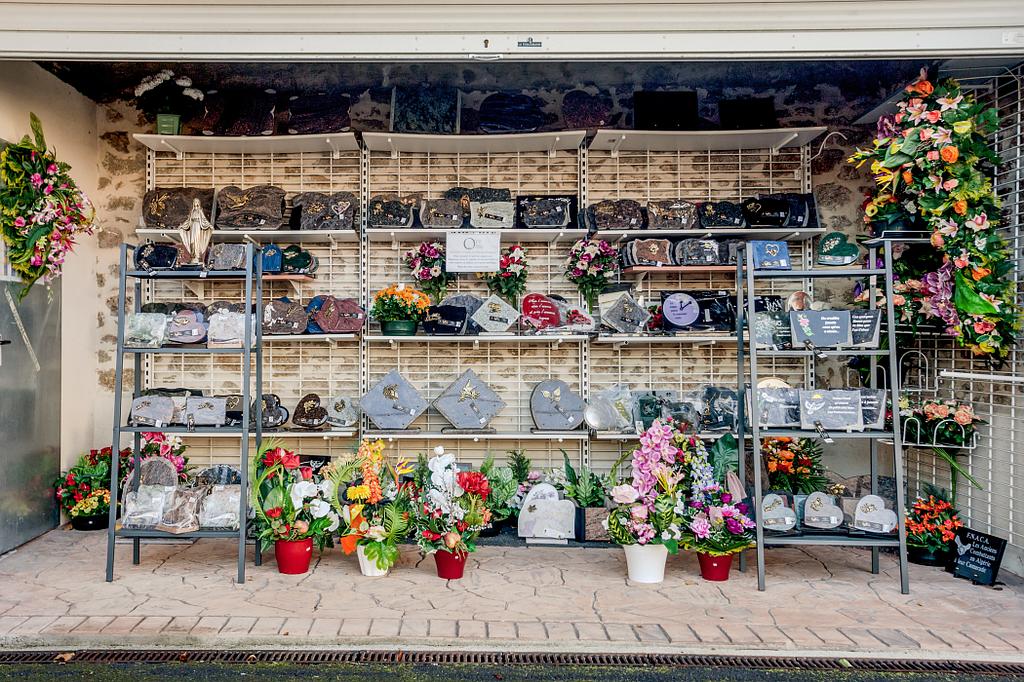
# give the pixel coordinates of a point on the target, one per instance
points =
(540, 312)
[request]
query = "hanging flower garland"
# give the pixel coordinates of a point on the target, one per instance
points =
(42, 211)
(929, 162)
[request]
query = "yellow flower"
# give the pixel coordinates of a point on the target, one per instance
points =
(358, 492)
(871, 210)
(963, 127)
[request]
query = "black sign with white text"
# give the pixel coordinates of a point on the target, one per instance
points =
(978, 556)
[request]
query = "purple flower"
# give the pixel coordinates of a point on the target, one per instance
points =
(742, 508)
(726, 498)
(733, 526)
(700, 526)
(37, 180)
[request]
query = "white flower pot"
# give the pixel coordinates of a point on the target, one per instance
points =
(367, 566)
(646, 563)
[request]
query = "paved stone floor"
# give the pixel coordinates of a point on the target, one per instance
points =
(822, 601)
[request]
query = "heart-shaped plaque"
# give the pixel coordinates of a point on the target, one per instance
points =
(185, 327)
(309, 413)
(776, 514)
(872, 516)
(555, 407)
(548, 521)
(820, 511)
(541, 312)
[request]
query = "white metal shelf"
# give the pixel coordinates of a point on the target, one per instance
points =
(615, 435)
(481, 338)
(264, 144)
(267, 435)
(308, 338)
(702, 140)
(777, 233)
(474, 144)
(260, 236)
(400, 234)
(650, 339)
(557, 436)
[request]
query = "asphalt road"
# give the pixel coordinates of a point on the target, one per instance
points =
(138, 672)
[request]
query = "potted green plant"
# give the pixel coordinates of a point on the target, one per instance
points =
(292, 506)
(92, 512)
(399, 309)
(586, 490)
(167, 98)
(504, 486)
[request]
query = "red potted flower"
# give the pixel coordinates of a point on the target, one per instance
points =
(450, 511)
(293, 509)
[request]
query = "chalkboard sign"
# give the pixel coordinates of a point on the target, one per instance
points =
(978, 556)
(864, 328)
(824, 328)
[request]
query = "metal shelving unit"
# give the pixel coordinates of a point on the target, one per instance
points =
(251, 394)
(748, 276)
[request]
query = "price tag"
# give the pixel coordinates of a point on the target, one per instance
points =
(472, 251)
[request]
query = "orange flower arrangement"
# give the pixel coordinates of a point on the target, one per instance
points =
(399, 302)
(794, 464)
(921, 87)
(932, 523)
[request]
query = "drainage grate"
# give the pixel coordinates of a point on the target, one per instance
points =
(241, 657)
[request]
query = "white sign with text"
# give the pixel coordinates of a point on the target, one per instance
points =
(472, 251)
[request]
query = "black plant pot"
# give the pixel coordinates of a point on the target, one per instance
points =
(925, 557)
(495, 529)
(93, 522)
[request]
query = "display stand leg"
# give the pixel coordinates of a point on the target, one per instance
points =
(136, 551)
(259, 552)
(115, 446)
(755, 426)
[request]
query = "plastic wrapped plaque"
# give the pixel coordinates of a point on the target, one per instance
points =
(780, 407)
(469, 403)
(671, 214)
(776, 514)
(837, 410)
(471, 303)
(144, 508)
(625, 315)
(615, 214)
(872, 406)
(445, 320)
(145, 330)
(545, 211)
(871, 516)
(390, 211)
(219, 509)
(441, 213)
(393, 403)
(342, 411)
(822, 512)
(555, 407)
(495, 316)
(720, 409)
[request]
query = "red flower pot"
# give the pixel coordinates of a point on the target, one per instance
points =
(450, 566)
(293, 555)
(714, 567)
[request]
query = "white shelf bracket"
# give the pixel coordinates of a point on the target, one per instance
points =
(783, 142)
(615, 146)
(335, 150)
(180, 155)
(476, 344)
(334, 242)
(197, 287)
(553, 147)
(394, 242)
(393, 148)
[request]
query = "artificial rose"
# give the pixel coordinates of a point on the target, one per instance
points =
(949, 154)
(625, 494)
(274, 513)
(963, 417)
(290, 460)
(307, 473)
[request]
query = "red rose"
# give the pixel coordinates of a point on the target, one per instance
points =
(272, 457)
(274, 513)
(78, 497)
(289, 460)
(307, 473)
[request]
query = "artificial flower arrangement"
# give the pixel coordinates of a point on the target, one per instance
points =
(941, 424)
(929, 162)
(427, 264)
(373, 503)
(646, 519)
(931, 527)
(292, 505)
(42, 210)
(591, 265)
(170, 447)
(509, 281)
(95, 503)
(450, 509)
(399, 309)
(90, 473)
(794, 465)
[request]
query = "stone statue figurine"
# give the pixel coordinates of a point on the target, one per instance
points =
(196, 233)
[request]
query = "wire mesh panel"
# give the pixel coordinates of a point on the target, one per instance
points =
(996, 393)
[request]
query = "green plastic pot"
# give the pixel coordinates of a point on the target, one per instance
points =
(398, 328)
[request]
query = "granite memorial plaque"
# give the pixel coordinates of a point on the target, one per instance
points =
(342, 411)
(495, 315)
(978, 556)
(873, 408)
(555, 406)
(472, 303)
(780, 407)
(772, 330)
(865, 328)
(393, 403)
(837, 410)
(625, 315)
(469, 403)
(492, 214)
(821, 328)
(771, 255)
(821, 511)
